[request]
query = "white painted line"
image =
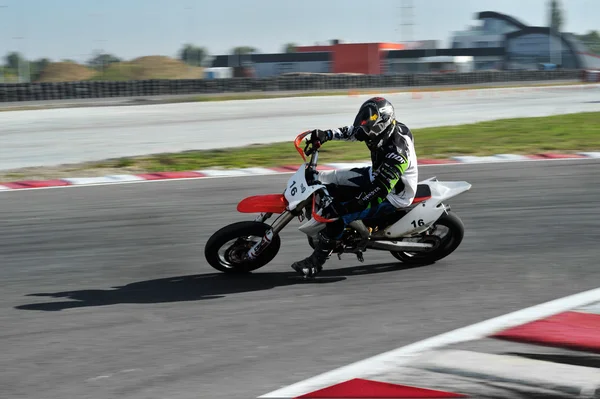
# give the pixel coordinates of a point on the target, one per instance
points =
(125, 178)
(103, 179)
(223, 172)
(260, 171)
(479, 159)
(110, 182)
(511, 157)
(388, 361)
(590, 154)
(4, 188)
(88, 180)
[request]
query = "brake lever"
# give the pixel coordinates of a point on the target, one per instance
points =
(315, 146)
(307, 150)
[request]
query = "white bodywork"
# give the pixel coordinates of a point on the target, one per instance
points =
(417, 220)
(297, 190)
(424, 214)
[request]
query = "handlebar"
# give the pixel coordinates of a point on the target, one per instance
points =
(313, 152)
(311, 168)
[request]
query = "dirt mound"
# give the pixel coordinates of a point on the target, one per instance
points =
(151, 67)
(65, 72)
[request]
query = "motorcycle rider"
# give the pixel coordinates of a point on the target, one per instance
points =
(388, 184)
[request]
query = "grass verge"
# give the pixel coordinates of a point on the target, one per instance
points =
(562, 133)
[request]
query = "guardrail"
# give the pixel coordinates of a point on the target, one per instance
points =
(14, 92)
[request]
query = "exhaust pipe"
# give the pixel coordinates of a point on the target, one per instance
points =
(399, 246)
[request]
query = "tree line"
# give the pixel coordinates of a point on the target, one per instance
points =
(15, 65)
(556, 19)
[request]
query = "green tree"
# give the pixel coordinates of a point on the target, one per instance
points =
(243, 50)
(37, 67)
(13, 60)
(193, 55)
(17, 65)
(289, 48)
(102, 60)
(556, 16)
(591, 40)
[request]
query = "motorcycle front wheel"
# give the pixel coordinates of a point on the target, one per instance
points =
(225, 248)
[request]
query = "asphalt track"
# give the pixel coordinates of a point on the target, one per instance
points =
(105, 292)
(60, 136)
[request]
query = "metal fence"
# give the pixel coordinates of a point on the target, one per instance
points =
(14, 92)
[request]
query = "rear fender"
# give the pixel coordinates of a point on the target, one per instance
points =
(428, 209)
(267, 203)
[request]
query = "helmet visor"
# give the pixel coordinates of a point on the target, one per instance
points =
(368, 120)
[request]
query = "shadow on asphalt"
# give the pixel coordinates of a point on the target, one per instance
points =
(198, 287)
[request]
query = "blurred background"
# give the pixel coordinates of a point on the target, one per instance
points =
(110, 40)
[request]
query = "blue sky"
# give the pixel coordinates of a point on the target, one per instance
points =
(60, 29)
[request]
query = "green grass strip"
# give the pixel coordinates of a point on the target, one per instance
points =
(563, 133)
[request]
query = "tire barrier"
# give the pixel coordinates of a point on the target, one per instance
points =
(591, 76)
(15, 92)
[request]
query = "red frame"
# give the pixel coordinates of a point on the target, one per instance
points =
(318, 218)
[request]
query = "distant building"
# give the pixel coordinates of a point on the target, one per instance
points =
(499, 42)
(525, 47)
(365, 58)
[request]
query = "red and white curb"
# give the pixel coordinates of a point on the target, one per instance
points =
(285, 169)
(427, 369)
(482, 92)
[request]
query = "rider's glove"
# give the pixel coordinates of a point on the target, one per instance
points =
(321, 136)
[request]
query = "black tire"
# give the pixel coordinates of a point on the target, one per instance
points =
(448, 245)
(232, 232)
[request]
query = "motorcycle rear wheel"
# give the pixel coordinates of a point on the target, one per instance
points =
(456, 232)
(230, 261)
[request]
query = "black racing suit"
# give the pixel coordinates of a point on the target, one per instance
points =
(388, 184)
(392, 156)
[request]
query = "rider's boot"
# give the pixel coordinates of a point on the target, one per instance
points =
(311, 266)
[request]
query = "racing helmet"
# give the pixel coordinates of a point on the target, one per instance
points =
(375, 116)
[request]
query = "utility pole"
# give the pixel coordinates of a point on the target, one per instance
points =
(1, 68)
(406, 20)
(25, 76)
(188, 12)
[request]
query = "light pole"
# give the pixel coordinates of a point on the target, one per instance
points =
(24, 76)
(1, 67)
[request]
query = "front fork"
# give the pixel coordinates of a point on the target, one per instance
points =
(277, 226)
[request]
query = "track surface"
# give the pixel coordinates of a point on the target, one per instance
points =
(59, 136)
(105, 291)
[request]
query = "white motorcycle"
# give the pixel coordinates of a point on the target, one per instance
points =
(423, 233)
